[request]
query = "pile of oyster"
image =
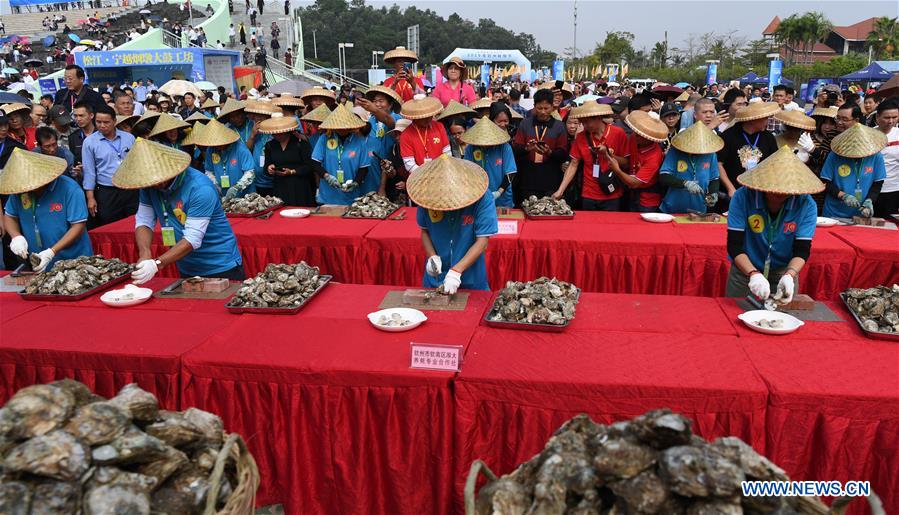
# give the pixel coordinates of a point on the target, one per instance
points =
(76, 276)
(543, 301)
(64, 450)
(249, 204)
(546, 206)
(279, 286)
(370, 205)
(877, 308)
(650, 464)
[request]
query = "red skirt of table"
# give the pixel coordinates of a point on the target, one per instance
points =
(877, 255)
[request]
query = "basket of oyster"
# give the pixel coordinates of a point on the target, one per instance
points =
(76, 279)
(650, 464)
(371, 205)
(876, 310)
(66, 450)
(541, 305)
(546, 208)
(278, 290)
(251, 205)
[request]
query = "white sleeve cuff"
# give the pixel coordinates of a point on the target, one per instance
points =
(195, 231)
(410, 164)
(448, 151)
(145, 217)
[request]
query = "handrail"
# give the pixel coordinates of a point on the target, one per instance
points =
(341, 78)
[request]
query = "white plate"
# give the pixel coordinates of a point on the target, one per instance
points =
(415, 316)
(130, 295)
(823, 221)
(659, 218)
(750, 318)
(295, 213)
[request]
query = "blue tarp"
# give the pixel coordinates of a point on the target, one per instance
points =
(872, 72)
(23, 3)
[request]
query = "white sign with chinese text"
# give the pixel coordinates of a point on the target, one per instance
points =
(507, 227)
(429, 356)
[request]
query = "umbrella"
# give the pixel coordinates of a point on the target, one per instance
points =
(205, 85)
(34, 62)
(177, 88)
(49, 41)
(889, 88)
(88, 42)
(21, 85)
(79, 48)
(683, 84)
(82, 22)
(293, 87)
(613, 84)
(75, 38)
(9, 98)
(9, 71)
(145, 11)
(25, 40)
(585, 98)
(666, 92)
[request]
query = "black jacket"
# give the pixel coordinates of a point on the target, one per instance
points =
(67, 98)
(7, 149)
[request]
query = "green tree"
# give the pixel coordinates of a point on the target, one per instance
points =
(616, 47)
(659, 54)
(884, 39)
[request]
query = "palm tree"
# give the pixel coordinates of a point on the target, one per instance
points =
(788, 33)
(815, 29)
(885, 37)
(660, 54)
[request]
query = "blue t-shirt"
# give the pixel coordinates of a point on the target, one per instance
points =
(849, 174)
(702, 168)
(263, 179)
(453, 233)
(748, 213)
(233, 162)
(380, 146)
(349, 155)
(45, 220)
(498, 161)
(191, 195)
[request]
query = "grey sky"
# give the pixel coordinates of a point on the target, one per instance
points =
(551, 20)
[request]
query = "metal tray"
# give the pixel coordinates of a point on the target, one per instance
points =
(548, 217)
(524, 326)
(69, 298)
(877, 335)
(278, 311)
(257, 213)
(388, 215)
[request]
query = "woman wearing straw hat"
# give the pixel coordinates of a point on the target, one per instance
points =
(316, 96)
(403, 81)
(46, 212)
(229, 165)
(259, 111)
(144, 125)
(291, 106)
(425, 139)
(383, 104)
(454, 118)
(770, 227)
(287, 160)
(690, 171)
(194, 228)
(746, 143)
(209, 108)
(854, 172)
(168, 131)
(457, 215)
(311, 122)
(342, 157)
(125, 123)
(797, 127)
(20, 124)
(645, 157)
(488, 147)
(454, 88)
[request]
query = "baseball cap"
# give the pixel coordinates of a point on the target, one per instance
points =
(668, 108)
(59, 114)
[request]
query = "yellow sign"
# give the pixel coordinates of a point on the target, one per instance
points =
(26, 200)
(216, 158)
(681, 166)
(756, 223)
(332, 143)
(436, 216)
(844, 170)
(478, 155)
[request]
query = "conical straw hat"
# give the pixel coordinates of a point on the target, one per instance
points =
(231, 106)
(783, 173)
(395, 98)
(455, 109)
(590, 110)
(342, 118)
(698, 139)
(317, 115)
(829, 112)
(209, 104)
(647, 126)
(516, 115)
(120, 119)
(148, 118)
(858, 141)
(214, 134)
(278, 123)
(192, 133)
(197, 117)
(400, 52)
(485, 133)
(15, 106)
(796, 118)
(264, 107)
(482, 103)
(167, 122)
(317, 91)
(683, 97)
(286, 99)
(756, 111)
(421, 107)
(28, 171)
(149, 163)
(447, 184)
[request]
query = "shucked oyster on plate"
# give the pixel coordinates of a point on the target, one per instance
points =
(279, 286)
(370, 205)
(543, 301)
(75, 276)
(877, 308)
(546, 206)
(251, 203)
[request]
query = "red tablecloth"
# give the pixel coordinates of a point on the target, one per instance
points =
(336, 420)
(844, 329)
(877, 255)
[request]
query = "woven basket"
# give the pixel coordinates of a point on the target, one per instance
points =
(243, 499)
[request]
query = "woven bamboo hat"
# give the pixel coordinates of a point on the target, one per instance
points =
(516, 115)
(215, 134)
(149, 163)
(829, 112)
(317, 115)
(457, 62)
(591, 109)
(28, 171)
(421, 107)
(455, 109)
(317, 91)
(342, 118)
(447, 184)
(167, 122)
(394, 97)
(286, 99)
(210, 104)
(783, 173)
(683, 97)
(566, 90)
(647, 126)
(401, 52)
(756, 111)
(264, 107)
(485, 133)
(197, 117)
(481, 103)
(148, 118)
(796, 118)
(127, 120)
(15, 107)
(231, 106)
(698, 139)
(278, 124)
(858, 141)
(192, 133)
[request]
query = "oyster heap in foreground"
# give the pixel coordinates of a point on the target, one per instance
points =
(371, 205)
(543, 301)
(652, 464)
(76, 276)
(64, 450)
(877, 308)
(251, 203)
(546, 206)
(279, 286)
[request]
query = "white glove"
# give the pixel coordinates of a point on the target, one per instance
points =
(19, 246)
(144, 271)
(497, 194)
(245, 180)
(693, 188)
(331, 181)
(802, 155)
(434, 266)
(851, 201)
(452, 282)
(867, 209)
(785, 287)
(805, 142)
(46, 257)
(759, 286)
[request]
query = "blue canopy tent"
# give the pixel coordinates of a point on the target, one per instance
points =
(872, 72)
(751, 78)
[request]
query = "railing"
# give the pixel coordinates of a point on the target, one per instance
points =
(170, 39)
(334, 76)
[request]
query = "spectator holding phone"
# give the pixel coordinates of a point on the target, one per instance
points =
(403, 81)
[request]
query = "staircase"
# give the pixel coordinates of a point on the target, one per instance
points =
(29, 24)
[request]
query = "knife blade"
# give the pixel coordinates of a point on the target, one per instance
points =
(170, 289)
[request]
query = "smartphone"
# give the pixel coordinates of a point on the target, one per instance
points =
(407, 67)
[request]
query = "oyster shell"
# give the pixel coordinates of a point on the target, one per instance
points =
(140, 404)
(279, 286)
(162, 468)
(134, 446)
(116, 499)
(174, 429)
(210, 426)
(250, 203)
(55, 498)
(370, 205)
(546, 206)
(76, 276)
(542, 301)
(98, 423)
(35, 410)
(15, 498)
(80, 393)
(56, 454)
(115, 476)
(877, 308)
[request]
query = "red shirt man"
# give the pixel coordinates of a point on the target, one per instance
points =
(644, 166)
(403, 88)
(422, 141)
(588, 148)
